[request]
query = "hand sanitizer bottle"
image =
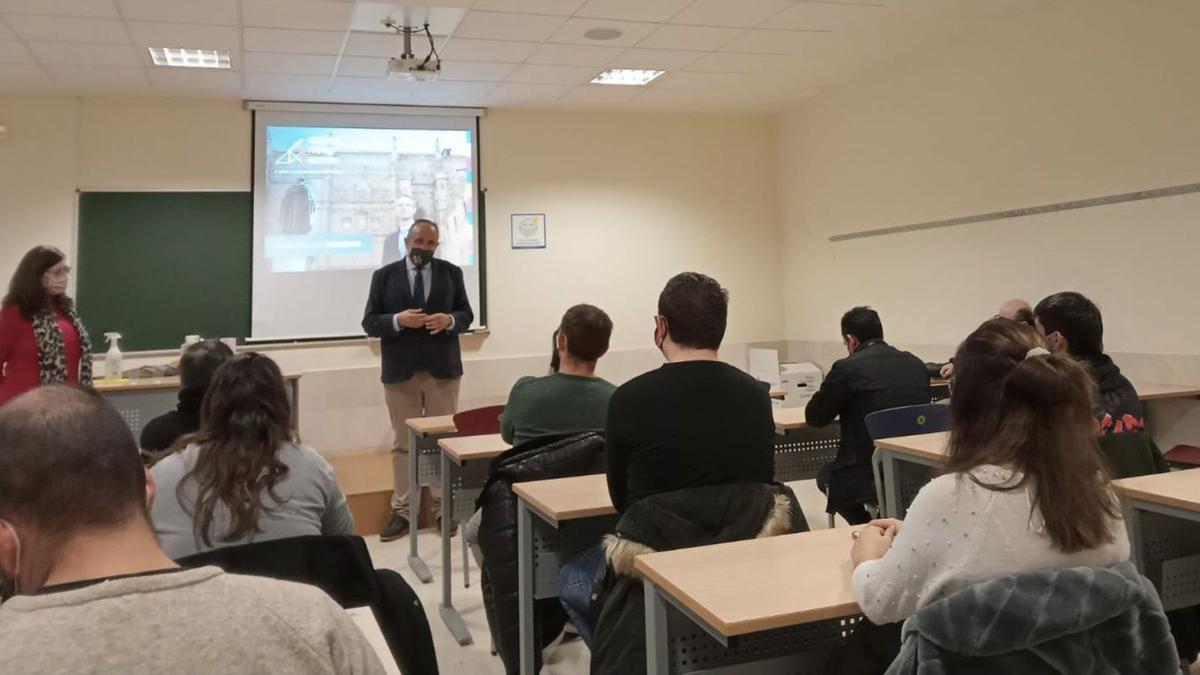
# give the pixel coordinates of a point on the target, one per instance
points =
(112, 359)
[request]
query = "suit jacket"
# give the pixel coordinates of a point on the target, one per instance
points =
(876, 377)
(409, 350)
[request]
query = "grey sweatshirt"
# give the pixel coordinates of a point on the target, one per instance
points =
(187, 621)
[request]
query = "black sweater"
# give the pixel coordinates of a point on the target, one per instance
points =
(162, 431)
(685, 425)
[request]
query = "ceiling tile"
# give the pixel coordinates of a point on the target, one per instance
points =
(475, 71)
(269, 85)
(189, 35)
(362, 66)
(101, 9)
(292, 41)
(100, 79)
(196, 81)
(370, 90)
(512, 93)
(67, 29)
(6, 34)
(13, 75)
(308, 14)
(14, 52)
(741, 63)
(688, 80)
(759, 41)
(552, 7)
(378, 44)
(534, 74)
(740, 14)
(821, 16)
(442, 92)
(574, 55)
(461, 49)
(221, 12)
(502, 26)
(572, 32)
(659, 59)
(73, 54)
(288, 64)
(632, 10)
(671, 99)
(689, 37)
(599, 95)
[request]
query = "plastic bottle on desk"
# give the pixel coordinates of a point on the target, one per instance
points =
(112, 358)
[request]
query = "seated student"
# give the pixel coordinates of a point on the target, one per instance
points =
(1072, 324)
(1015, 309)
(96, 594)
(875, 376)
(572, 399)
(1024, 487)
(694, 421)
(196, 368)
(243, 477)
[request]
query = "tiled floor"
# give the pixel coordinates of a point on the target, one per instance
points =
(561, 659)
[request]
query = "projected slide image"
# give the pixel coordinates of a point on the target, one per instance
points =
(342, 198)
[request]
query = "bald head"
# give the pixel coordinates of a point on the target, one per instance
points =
(423, 229)
(67, 462)
(1016, 310)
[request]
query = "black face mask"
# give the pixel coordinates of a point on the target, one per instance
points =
(420, 256)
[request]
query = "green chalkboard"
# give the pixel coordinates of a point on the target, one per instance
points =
(156, 266)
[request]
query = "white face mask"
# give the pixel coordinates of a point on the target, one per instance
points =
(16, 575)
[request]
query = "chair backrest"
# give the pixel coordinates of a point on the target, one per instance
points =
(478, 421)
(908, 420)
(341, 566)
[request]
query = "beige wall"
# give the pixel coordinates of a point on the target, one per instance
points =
(1081, 98)
(629, 199)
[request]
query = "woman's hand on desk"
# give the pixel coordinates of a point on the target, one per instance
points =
(873, 540)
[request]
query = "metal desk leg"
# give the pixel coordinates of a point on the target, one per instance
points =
(450, 616)
(525, 584)
(466, 555)
(418, 566)
(891, 484)
(657, 654)
(1135, 528)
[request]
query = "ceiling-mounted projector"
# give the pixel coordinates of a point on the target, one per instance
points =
(407, 66)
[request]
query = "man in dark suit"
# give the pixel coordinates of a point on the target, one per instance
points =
(875, 376)
(418, 306)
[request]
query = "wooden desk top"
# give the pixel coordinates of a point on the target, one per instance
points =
(787, 419)
(473, 448)
(1153, 392)
(150, 383)
(929, 446)
(777, 393)
(441, 424)
(1176, 488)
(560, 499)
(759, 584)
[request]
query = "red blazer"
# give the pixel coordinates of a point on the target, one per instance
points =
(19, 354)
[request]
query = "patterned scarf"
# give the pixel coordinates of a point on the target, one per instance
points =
(52, 353)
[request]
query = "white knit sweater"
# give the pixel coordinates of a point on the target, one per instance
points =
(958, 533)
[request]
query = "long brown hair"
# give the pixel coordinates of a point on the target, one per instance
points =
(244, 421)
(25, 289)
(1033, 413)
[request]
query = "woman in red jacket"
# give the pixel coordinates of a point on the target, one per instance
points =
(42, 340)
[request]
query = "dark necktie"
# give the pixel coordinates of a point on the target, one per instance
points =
(419, 287)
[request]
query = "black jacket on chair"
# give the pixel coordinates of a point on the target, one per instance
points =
(875, 377)
(409, 350)
(577, 455)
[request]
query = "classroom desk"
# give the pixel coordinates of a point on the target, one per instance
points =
(801, 450)
(464, 472)
(1158, 392)
(1162, 515)
(556, 519)
(141, 400)
(423, 469)
(779, 604)
(908, 462)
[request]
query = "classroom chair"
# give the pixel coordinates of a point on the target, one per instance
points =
(341, 566)
(1183, 456)
(908, 420)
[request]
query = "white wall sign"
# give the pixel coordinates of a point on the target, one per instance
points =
(528, 230)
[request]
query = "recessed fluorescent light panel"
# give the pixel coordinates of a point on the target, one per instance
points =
(630, 77)
(189, 58)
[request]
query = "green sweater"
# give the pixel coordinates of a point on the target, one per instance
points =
(554, 405)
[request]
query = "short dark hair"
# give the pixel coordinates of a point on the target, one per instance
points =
(587, 329)
(863, 323)
(1077, 318)
(68, 462)
(25, 289)
(200, 361)
(696, 309)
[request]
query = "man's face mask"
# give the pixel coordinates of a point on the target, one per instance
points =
(420, 256)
